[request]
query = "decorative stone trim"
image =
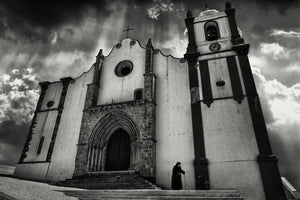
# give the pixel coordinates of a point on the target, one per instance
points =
(149, 76)
(242, 49)
(222, 98)
(118, 46)
(201, 168)
(113, 106)
(148, 147)
(182, 60)
(101, 134)
(47, 110)
(156, 51)
(236, 85)
(235, 36)
(149, 57)
(206, 85)
(189, 22)
(132, 42)
(93, 88)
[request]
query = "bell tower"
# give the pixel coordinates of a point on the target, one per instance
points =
(232, 148)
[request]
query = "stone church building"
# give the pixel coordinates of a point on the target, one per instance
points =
(138, 109)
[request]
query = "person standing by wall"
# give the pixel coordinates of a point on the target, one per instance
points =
(176, 177)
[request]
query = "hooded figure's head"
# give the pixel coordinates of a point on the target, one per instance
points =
(178, 164)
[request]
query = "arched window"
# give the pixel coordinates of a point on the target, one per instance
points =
(40, 145)
(138, 94)
(211, 31)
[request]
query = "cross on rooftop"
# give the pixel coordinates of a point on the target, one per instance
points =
(127, 30)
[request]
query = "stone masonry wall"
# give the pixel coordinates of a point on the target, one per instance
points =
(141, 113)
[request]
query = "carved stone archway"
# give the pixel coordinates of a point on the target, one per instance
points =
(99, 138)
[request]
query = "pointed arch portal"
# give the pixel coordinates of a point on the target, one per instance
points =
(118, 151)
(113, 144)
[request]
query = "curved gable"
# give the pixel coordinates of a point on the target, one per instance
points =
(114, 88)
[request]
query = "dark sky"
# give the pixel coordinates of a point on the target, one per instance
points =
(46, 40)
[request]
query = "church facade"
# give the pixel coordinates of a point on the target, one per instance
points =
(138, 109)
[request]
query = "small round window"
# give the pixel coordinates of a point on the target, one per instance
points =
(124, 68)
(50, 104)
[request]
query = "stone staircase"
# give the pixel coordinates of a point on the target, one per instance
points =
(108, 180)
(155, 194)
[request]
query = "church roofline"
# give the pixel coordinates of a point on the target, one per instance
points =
(143, 47)
(91, 67)
(121, 42)
(168, 55)
(73, 78)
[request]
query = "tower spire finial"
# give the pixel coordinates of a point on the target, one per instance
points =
(99, 56)
(189, 14)
(227, 5)
(149, 43)
(100, 53)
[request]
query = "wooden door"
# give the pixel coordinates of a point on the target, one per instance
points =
(118, 151)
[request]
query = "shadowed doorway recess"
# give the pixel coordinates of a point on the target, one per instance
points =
(118, 151)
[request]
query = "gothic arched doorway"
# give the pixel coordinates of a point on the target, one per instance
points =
(118, 151)
(114, 144)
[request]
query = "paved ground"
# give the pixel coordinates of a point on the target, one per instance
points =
(17, 189)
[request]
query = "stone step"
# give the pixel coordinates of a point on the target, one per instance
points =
(108, 174)
(232, 193)
(108, 180)
(91, 187)
(156, 194)
(157, 197)
(105, 181)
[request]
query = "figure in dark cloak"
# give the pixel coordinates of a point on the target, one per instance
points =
(176, 177)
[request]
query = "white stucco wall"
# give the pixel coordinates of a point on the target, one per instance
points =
(218, 69)
(64, 153)
(228, 131)
(44, 126)
(53, 93)
(243, 176)
(231, 148)
(35, 171)
(230, 142)
(173, 121)
(62, 163)
(119, 89)
(45, 122)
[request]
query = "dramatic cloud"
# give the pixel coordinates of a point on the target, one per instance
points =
(161, 6)
(273, 49)
(281, 108)
(283, 33)
(277, 60)
(18, 96)
(283, 101)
